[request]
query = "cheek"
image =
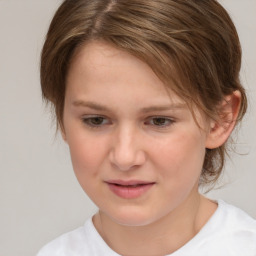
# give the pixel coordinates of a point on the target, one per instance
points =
(86, 154)
(180, 158)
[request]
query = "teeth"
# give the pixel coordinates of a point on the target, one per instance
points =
(130, 186)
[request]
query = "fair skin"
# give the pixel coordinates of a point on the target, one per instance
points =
(137, 151)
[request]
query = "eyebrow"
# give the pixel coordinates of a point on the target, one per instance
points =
(100, 107)
(90, 104)
(164, 107)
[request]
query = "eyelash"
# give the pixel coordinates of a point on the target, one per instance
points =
(165, 122)
(89, 121)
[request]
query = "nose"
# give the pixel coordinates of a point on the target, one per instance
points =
(127, 151)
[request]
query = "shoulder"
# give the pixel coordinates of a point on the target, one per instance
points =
(64, 244)
(84, 240)
(235, 219)
(230, 231)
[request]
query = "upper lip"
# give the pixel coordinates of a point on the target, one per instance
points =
(129, 182)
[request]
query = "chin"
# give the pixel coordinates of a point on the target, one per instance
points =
(133, 218)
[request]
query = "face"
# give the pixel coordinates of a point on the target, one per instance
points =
(135, 147)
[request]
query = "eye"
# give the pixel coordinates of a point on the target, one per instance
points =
(95, 121)
(160, 121)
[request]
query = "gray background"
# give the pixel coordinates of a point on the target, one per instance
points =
(39, 195)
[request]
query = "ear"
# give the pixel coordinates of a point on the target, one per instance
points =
(63, 133)
(221, 128)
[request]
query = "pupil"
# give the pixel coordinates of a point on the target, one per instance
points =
(159, 121)
(97, 120)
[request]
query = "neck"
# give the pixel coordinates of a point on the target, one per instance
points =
(161, 237)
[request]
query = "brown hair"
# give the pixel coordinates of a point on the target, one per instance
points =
(192, 45)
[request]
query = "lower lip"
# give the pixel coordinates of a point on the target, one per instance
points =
(129, 192)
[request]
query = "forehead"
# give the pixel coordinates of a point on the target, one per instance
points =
(117, 80)
(98, 56)
(98, 66)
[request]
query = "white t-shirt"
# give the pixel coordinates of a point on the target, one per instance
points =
(229, 232)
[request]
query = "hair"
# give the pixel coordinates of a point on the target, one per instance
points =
(191, 45)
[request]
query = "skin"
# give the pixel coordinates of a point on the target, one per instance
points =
(120, 122)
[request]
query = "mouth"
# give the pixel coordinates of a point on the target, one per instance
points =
(129, 189)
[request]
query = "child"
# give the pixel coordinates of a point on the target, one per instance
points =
(146, 94)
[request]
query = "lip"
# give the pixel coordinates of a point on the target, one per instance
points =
(129, 189)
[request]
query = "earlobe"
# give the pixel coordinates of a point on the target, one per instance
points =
(221, 128)
(63, 134)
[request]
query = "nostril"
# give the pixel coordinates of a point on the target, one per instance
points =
(126, 152)
(127, 161)
(124, 160)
